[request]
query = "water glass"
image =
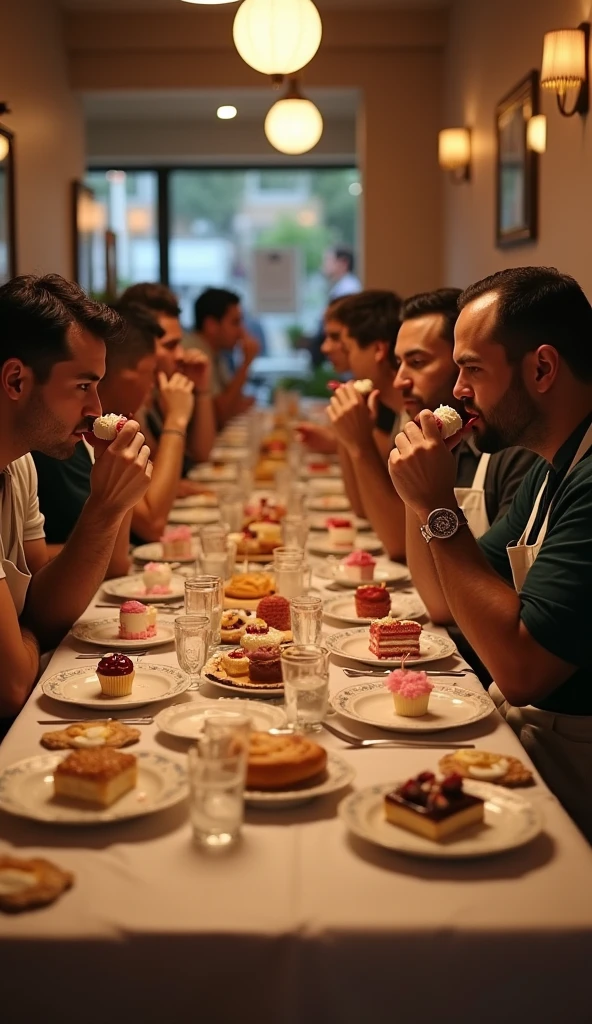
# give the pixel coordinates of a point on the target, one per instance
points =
(295, 531)
(213, 538)
(295, 455)
(232, 508)
(192, 638)
(291, 572)
(307, 619)
(204, 595)
(283, 481)
(246, 480)
(219, 563)
(216, 794)
(296, 499)
(227, 731)
(305, 671)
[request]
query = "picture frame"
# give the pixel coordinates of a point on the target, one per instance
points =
(110, 265)
(85, 235)
(8, 255)
(517, 166)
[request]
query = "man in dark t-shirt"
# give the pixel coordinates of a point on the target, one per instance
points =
(521, 594)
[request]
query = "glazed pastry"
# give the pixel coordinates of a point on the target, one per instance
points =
(232, 626)
(235, 662)
(91, 734)
(277, 762)
(433, 809)
(249, 586)
(29, 883)
(503, 769)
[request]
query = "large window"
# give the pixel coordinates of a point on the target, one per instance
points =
(213, 222)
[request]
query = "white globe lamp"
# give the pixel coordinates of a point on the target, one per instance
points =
(277, 37)
(293, 125)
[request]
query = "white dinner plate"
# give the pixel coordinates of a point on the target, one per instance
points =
(213, 673)
(319, 522)
(26, 789)
(187, 720)
(325, 485)
(105, 633)
(339, 774)
(131, 588)
(208, 474)
(343, 607)
(194, 516)
(153, 553)
(321, 545)
(197, 501)
(389, 573)
(510, 821)
(330, 471)
(328, 503)
(353, 644)
(229, 454)
(450, 707)
(152, 683)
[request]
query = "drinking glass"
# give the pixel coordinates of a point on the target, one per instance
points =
(295, 531)
(246, 480)
(291, 572)
(295, 455)
(232, 509)
(296, 499)
(305, 671)
(228, 731)
(219, 563)
(204, 595)
(213, 538)
(307, 619)
(216, 787)
(192, 638)
(283, 481)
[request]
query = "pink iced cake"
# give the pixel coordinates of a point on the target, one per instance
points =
(177, 542)
(136, 621)
(411, 692)
(157, 578)
(359, 567)
(392, 638)
(342, 532)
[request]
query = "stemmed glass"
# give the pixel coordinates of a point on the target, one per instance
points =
(192, 637)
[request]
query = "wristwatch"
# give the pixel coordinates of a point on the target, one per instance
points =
(442, 524)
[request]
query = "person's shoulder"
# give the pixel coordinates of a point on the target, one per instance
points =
(514, 460)
(23, 471)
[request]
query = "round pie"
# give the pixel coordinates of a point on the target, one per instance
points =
(278, 762)
(250, 586)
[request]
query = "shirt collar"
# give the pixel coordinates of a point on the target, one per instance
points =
(568, 449)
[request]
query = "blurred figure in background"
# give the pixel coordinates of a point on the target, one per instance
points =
(338, 268)
(315, 436)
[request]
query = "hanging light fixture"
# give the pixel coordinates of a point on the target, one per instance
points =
(277, 37)
(210, 1)
(293, 125)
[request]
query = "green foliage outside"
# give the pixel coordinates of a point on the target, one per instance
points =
(313, 386)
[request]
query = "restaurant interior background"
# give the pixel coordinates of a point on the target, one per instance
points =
(122, 96)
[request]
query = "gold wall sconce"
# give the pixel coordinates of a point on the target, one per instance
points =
(565, 67)
(454, 153)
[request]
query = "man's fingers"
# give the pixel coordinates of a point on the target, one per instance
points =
(402, 442)
(429, 426)
(143, 456)
(162, 380)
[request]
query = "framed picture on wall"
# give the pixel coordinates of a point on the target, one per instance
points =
(7, 207)
(86, 235)
(517, 165)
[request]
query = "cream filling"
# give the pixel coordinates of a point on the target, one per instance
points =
(93, 737)
(13, 880)
(494, 771)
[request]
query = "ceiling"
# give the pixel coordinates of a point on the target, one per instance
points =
(171, 5)
(200, 104)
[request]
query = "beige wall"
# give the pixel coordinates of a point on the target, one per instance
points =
(393, 58)
(493, 44)
(49, 130)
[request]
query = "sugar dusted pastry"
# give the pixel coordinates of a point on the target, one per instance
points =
(29, 883)
(411, 692)
(232, 626)
(107, 427)
(235, 662)
(256, 636)
(448, 420)
(157, 578)
(432, 809)
(502, 769)
(84, 735)
(136, 621)
(115, 673)
(96, 776)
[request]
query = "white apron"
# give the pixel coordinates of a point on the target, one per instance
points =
(472, 500)
(560, 745)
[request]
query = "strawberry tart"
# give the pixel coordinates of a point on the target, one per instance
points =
(136, 621)
(177, 543)
(372, 602)
(157, 578)
(411, 692)
(392, 638)
(359, 567)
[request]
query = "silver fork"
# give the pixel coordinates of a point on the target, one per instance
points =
(103, 654)
(357, 673)
(76, 721)
(354, 741)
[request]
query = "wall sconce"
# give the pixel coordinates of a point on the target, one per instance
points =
(454, 153)
(566, 66)
(536, 133)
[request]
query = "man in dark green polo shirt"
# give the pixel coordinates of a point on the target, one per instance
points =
(523, 344)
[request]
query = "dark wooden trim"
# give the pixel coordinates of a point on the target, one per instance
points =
(526, 90)
(11, 196)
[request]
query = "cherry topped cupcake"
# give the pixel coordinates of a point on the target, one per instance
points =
(116, 675)
(372, 602)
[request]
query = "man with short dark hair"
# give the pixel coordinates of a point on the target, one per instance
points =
(172, 358)
(338, 267)
(520, 595)
(219, 331)
(64, 486)
(52, 357)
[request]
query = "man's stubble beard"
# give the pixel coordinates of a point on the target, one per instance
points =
(514, 421)
(43, 431)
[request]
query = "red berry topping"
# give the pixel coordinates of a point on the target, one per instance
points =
(426, 777)
(257, 630)
(452, 784)
(410, 790)
(115, 665)
(239, 653)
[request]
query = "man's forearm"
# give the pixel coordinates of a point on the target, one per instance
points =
(382, 504)
(202, 429)
(228, 401)
(61, 591)
(151, 512)
(350, 482)
(18, 675)
(120, 561)
(423, 572)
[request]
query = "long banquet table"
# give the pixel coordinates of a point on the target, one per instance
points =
(301, 922)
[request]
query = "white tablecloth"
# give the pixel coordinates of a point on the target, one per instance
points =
(301, 922)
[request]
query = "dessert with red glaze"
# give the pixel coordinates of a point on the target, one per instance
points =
(372, 602)
(235, 662)
(177, 542)
(359, 567)
(342, 532)
(232, 626)
(393, 638)
(265, 665)
(275, 611)
(256, 636)
(157, 578)
(431, 808)
(411, 692)
(136, 621)
(116, 673)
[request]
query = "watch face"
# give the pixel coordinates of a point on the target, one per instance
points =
(443, 523)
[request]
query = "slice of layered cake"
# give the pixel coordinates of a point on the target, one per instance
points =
(392, 638)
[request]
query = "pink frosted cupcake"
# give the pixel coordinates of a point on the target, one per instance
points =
(136, 621)
(359, 567)
(177, 542)
(411, 692)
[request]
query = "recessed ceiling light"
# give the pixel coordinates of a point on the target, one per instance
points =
(227, 112)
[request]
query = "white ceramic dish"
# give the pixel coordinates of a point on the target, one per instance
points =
(197, 501)
(105, 633)
(450, 707)
(320, 545)
(319, 522)
(339, 774)
(208, 474)
(131, 588)
(343, 608)
(353, 644)
(186, 721)
(389, 573)
(329, 503)
(194, 516)
(154, 553)
(152, 684)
